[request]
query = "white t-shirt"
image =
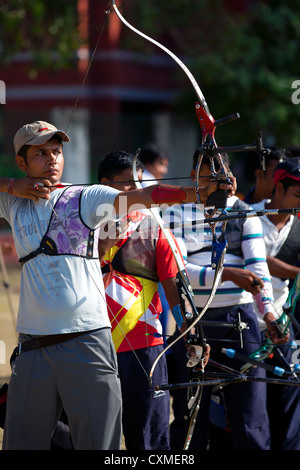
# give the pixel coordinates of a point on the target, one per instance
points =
(64, 293)
(148, 178)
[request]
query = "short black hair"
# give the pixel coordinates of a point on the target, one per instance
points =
(152, 152)
(287, 182)
(115, 162)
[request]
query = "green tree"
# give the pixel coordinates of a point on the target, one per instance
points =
(244, 61)
(47, 30)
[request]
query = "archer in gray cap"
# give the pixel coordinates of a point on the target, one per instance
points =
(38, 148)
(54, 228)
(37, 133)
(62, 304)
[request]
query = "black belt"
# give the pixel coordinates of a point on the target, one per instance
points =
(44, 341)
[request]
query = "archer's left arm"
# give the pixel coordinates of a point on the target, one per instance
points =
(165, 194)
(279, 268)
(255, 258)
(254, 252)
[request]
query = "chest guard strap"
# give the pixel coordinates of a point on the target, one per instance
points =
(137, 256)
(67, 234)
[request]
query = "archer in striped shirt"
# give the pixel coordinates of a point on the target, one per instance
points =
(245, 277)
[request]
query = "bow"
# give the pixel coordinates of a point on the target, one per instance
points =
(182, 279)
(184, 287)
(217, 199)
(209, 147)
(257, 357)
(282, 325)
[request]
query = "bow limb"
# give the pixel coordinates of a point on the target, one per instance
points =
(171, 54)
(205, 118)
(181, 268)
(182, 278)
(198, 316)
(219, 249)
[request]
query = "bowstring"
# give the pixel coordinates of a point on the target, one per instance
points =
(107, 13)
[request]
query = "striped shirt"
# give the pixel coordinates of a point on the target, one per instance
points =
(250, 255)
(274, 239)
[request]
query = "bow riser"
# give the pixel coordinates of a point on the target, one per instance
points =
(207, 123)
(184, 287)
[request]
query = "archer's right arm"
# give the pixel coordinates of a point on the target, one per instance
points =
(25, 187)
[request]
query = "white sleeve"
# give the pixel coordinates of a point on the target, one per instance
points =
(97, 205)
(254, 251)
(200, 271)
(6, 203)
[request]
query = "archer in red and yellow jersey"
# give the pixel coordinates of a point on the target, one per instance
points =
(131, 270)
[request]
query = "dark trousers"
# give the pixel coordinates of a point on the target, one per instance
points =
(146, 412)
(246, 402)
(283, 404)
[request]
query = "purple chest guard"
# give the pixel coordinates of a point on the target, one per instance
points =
(67, 234)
